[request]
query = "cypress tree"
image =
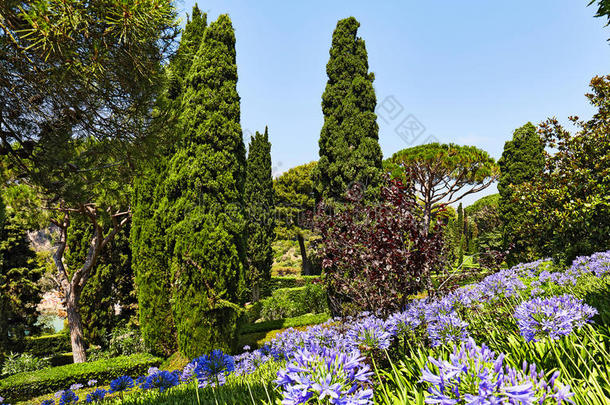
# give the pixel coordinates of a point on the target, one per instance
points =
(150, 250)
(19, 275)
(259, 198)
(522, 160)
(349, 148)
(205, 206)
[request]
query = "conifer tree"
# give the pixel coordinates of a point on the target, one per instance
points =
(259, 198)
(151, 255)
(522, 160)
(349, 149)
(204, 200)
(19, 274)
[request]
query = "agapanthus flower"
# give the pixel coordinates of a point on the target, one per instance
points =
(476, 375)
(212, 369)
(92, 382)
(371, 333)
(121, 384)
(45, 402)
(161, 380)
(447, 328)
(76, 386)
(326, 377)
(68, 397)
(95, 396)
(553, 316)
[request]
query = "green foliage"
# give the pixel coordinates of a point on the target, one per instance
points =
(111, 281)
(259, 199)
(204, 200)
(297, 321)
(567, 206)
(19, 275)
(522, 161)
(484, 214)
(46, 345)
(294, 199)
(280, 282)
(291, 302)
(28, 385)
(122, 341)
(148, 233)
(20, 363)
(349, 149)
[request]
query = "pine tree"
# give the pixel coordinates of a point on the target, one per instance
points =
(150, 251)
(349, 149)
(259, 198)
(205, 206)
(19, 274)
(111, 282)
(522, 160)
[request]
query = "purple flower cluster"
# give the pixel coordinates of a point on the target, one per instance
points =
(476, 375)
(212, 369)
(326, 376)
(553, 317)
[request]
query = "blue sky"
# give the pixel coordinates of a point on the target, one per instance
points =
(467, 72)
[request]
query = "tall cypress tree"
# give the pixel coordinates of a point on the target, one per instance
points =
(205, 206)
(522, 160)
(259, 198)
(150, 251)
(349, 147)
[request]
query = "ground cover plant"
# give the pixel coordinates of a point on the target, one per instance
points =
(530, 334)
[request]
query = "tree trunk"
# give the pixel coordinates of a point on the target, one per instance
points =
(256, 292)
(76, 329)
(305, 265)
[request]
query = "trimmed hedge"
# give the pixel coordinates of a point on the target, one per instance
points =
(23, 386)
(291, 302)
(279, 282)
(303, 320)
(46, 345)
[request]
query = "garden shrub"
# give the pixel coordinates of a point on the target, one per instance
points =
(291, 302)
(22, 386)
(288, 282)
(376, 255)
(46, 345)
(19, 363)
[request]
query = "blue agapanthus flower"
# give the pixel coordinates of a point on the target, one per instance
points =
(446, 328)
(371, 333)
(552, 317)
(121, 384)
(212, 369)
(45, 402)
(95, 396)
(326, 376)
(68, 397)
(161, 380)
(476, 375)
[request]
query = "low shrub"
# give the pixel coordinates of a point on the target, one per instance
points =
(303, 320)
(20, 363)
(23, 386)
(45, 345)
(279, 282)
(291, 302)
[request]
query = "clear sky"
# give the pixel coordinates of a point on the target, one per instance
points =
(467, 72)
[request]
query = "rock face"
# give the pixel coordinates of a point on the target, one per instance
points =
(42, 240)
(52, 304)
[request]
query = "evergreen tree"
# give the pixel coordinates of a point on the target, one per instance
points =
(460, 234)
(349, 149)
(522, 160)
(150, 251)
(259, 198)
(19, 274)
(204, 200)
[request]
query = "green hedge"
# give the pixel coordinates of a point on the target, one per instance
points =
(303, 320)
(288, 282)
(23, 386)
(291, 302)
(46, 345)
